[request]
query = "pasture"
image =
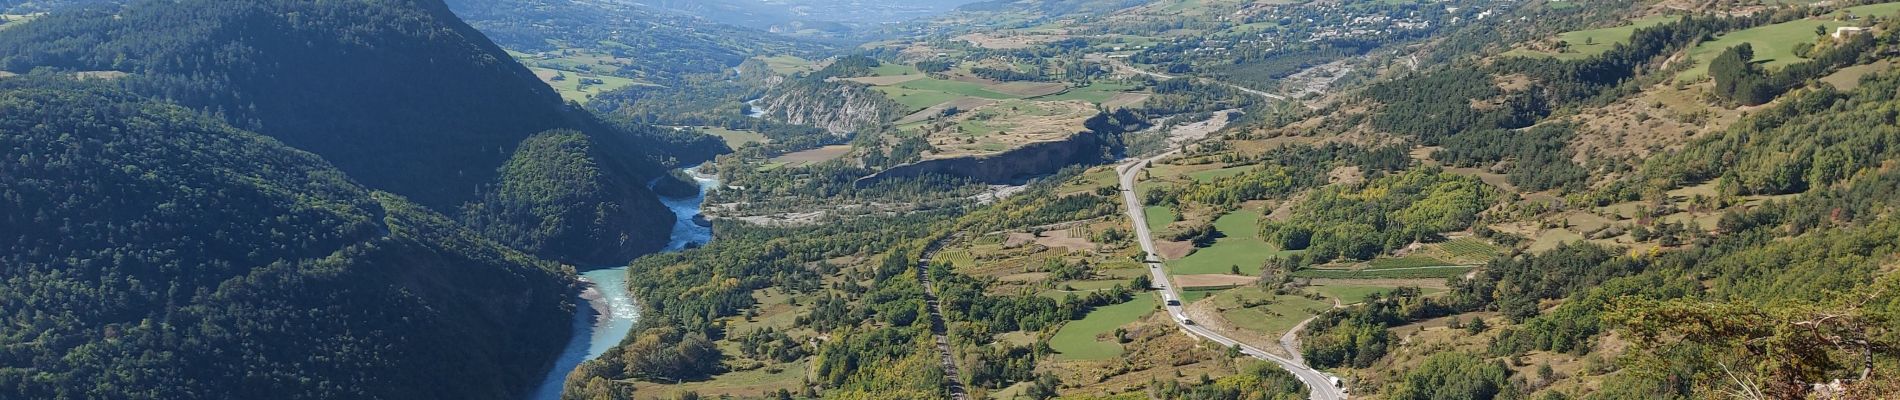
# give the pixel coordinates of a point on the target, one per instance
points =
(1590, 42)
(1773, 44)
(1080, 339)
(1257, 310)
(1239, 246)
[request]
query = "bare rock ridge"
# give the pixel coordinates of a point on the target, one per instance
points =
(837, 107)
(1014, 165)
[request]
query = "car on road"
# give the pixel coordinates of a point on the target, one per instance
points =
(1187, 321)
(1174, 303)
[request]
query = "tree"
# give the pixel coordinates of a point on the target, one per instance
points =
(1452, 375)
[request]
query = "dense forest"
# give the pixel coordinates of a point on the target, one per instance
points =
(191, 223)
(402, 96)
(459, 102)
(555, 201)
(158, 253)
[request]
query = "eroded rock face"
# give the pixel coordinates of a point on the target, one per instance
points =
(1014, 165)
(834, 106)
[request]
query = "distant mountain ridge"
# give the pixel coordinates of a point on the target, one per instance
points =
(660, 43)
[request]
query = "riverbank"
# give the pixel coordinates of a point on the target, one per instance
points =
(610, 310)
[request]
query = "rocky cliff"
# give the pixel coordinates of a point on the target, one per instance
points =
(1012, 166)
(838, 107)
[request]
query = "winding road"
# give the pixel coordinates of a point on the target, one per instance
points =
(1320, 383)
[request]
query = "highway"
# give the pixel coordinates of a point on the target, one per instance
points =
(1320, 383)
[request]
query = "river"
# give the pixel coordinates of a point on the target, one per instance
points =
(752, 108)
(593, 333)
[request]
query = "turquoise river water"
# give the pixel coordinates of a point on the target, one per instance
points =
(593, 333)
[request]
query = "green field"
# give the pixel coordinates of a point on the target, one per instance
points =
(1413, 261)
(1076, 340)
(1773, 44)
(789, 65)
(1097, 93)
(1212, 174)
(1280, 316)
(1349, 294)
(890, 69)
(954, 87)
(1240, 245)
(1878, 10)
(926, 92)
(1190, 295)
(1095, 178)
(1847, 79)
(1470, 249)
(1419, 273)
(570, 86)
(1551, 238)
(914, 100)
(1158, 217)
(1591, 42)
(788, 375)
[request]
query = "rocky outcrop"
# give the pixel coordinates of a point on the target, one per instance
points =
(1012, 166)
(837, 107)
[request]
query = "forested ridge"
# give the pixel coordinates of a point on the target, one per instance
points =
(554, 199)
(221, 205)
(401, 95)
(157, 253)
(433, 107)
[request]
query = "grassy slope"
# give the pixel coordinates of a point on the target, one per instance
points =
(1076, 340)
(1774, 44)
(1158, 217)
(1590, 42)
(1284, 312)
(1241, 245)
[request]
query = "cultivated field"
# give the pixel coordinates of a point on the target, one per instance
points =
(808, 157)
(791, 65)
(580, 86)
(1003, 125)
(733, 138)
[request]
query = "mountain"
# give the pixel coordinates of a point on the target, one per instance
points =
(654, 44)
(401, 95)
(215, 199)
(1052, 7)
(154, 252)
(820, 18)
(37, 6)
(555, 197)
